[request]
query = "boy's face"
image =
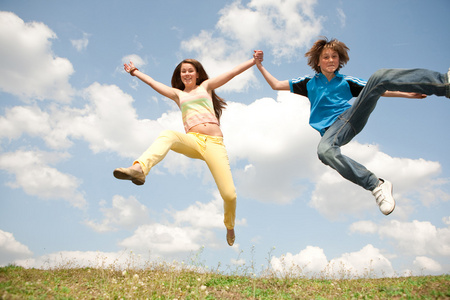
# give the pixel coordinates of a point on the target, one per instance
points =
(328, 61)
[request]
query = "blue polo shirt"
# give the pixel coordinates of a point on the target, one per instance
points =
(328, 99)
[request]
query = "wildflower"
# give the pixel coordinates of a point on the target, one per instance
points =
(203, 287)
(124, 273)
(136, 277)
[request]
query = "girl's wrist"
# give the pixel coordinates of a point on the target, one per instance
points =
(132, 70)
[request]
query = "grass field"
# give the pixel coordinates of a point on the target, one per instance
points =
(174, 281)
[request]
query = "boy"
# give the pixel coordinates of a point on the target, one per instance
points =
(337, 121)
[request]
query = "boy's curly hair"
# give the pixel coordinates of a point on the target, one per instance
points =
(313, 54)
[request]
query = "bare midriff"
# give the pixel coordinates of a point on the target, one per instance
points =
(208, 129)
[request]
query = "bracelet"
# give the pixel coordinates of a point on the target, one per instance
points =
(132, 70)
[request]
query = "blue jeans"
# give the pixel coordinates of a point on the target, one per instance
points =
(353, 120)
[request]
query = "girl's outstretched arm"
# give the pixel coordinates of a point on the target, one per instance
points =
(274, 83)
(218, 81)
(159, 87)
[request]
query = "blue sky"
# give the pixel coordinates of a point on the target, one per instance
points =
(70, 115)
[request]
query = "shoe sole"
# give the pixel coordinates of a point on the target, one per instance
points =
(124, 176)
(390, 211)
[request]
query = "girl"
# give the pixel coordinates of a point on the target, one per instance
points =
(193, 92)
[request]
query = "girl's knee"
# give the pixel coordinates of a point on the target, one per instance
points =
(229, 196)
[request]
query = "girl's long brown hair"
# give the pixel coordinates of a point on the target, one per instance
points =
(313, 54)
(219, 103)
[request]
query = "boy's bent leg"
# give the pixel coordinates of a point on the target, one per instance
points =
(405, 80)
(414, 80)
(329, 152)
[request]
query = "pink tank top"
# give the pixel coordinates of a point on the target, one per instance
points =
(197, 109)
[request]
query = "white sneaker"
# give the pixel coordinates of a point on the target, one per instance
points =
(383, 196)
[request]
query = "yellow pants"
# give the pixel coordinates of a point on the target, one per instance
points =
(211, 149)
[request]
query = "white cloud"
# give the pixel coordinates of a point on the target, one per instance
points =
(24, 119)
(309, 262)
(368, 262)
(108, 122)
(138, 61)
(416, 237)
(312, 262)
(202, 215)
(427, 265)
(82, 43)
(125, 213)
(29, 59)
(276, 145)
(286, 26)
(164, 239)
(364, 227)
(446, 220)
(117, 126)
(82, 259)
(34, 175)
(11, 249)
(191, 228)
(341, 16)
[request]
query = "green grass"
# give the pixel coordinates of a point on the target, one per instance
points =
(168, 281)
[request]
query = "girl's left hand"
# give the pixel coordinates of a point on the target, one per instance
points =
(129, 67)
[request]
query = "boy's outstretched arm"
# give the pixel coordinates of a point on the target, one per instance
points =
(274, 83)
(404, 95)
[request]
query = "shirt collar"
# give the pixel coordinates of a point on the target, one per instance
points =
(336, 73)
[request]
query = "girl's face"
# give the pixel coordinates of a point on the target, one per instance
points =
(328, 61)
(188, 74)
